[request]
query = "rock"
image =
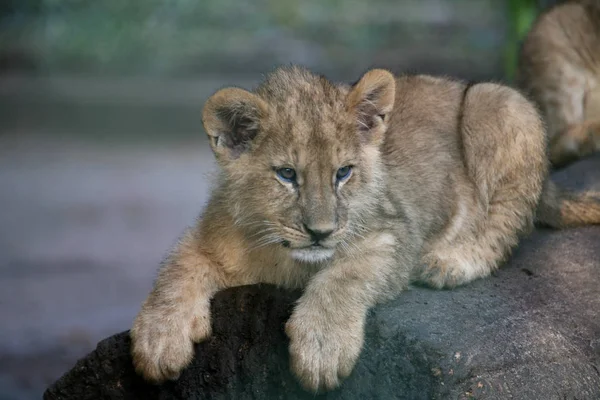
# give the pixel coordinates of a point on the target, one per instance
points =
(531, 331)
(247, 352)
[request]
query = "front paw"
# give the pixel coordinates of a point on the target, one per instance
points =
(163, 342)
(323, 351)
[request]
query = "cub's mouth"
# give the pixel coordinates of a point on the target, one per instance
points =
(309, 251)
(315, 253)
(313, 246)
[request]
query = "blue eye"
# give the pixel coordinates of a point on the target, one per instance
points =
(286, 174)
(343, 173)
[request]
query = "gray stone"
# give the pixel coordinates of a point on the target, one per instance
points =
(530, 331)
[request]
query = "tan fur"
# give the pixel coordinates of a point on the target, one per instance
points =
(559, 208)
(560, 68)
(445, 179)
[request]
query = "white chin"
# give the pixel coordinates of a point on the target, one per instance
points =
(312, 255)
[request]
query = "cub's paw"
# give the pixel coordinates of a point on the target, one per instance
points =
(437, 272)
(594, 135)
(451, 268)
(163, 343)
(576, 142)
(322, 353)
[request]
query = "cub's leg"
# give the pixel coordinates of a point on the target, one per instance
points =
(577, 141)
(505, 165)
(326, 329)
(176, 313)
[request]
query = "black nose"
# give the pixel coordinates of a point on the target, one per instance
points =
(318, 234)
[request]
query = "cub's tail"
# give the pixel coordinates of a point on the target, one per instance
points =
(560, 208)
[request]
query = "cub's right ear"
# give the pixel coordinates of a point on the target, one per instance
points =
(232, 119)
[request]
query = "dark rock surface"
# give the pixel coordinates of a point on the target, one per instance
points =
(531, 331)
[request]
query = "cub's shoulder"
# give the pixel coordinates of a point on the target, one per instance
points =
(427, 99)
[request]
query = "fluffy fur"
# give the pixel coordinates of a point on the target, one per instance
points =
(444, 179)
(560, 68)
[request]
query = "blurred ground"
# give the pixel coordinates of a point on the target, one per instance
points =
(83, 230)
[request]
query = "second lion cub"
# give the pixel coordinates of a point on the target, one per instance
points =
(559, 67)
(351, 192)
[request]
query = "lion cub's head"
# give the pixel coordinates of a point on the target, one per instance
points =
(301, 159)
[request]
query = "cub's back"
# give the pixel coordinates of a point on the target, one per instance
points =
(425, 119)
(422, 146)
(571, 31)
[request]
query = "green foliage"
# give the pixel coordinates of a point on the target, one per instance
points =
(522, 14)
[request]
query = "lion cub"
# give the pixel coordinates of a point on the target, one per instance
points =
(351, 192)
(560, 68)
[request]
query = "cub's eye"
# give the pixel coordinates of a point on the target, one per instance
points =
(286, 174)
(343, 173)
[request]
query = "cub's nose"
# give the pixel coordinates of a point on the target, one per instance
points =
(319, 233)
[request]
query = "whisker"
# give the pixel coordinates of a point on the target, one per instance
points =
(263, 231)
(265, 241)
(354, 233)
(258, 246)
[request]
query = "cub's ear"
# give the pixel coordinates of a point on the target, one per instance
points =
(232, 119)
(371, 99)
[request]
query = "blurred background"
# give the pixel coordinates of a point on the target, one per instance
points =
(103, 161)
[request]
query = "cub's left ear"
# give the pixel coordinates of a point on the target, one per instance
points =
(372, 101)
